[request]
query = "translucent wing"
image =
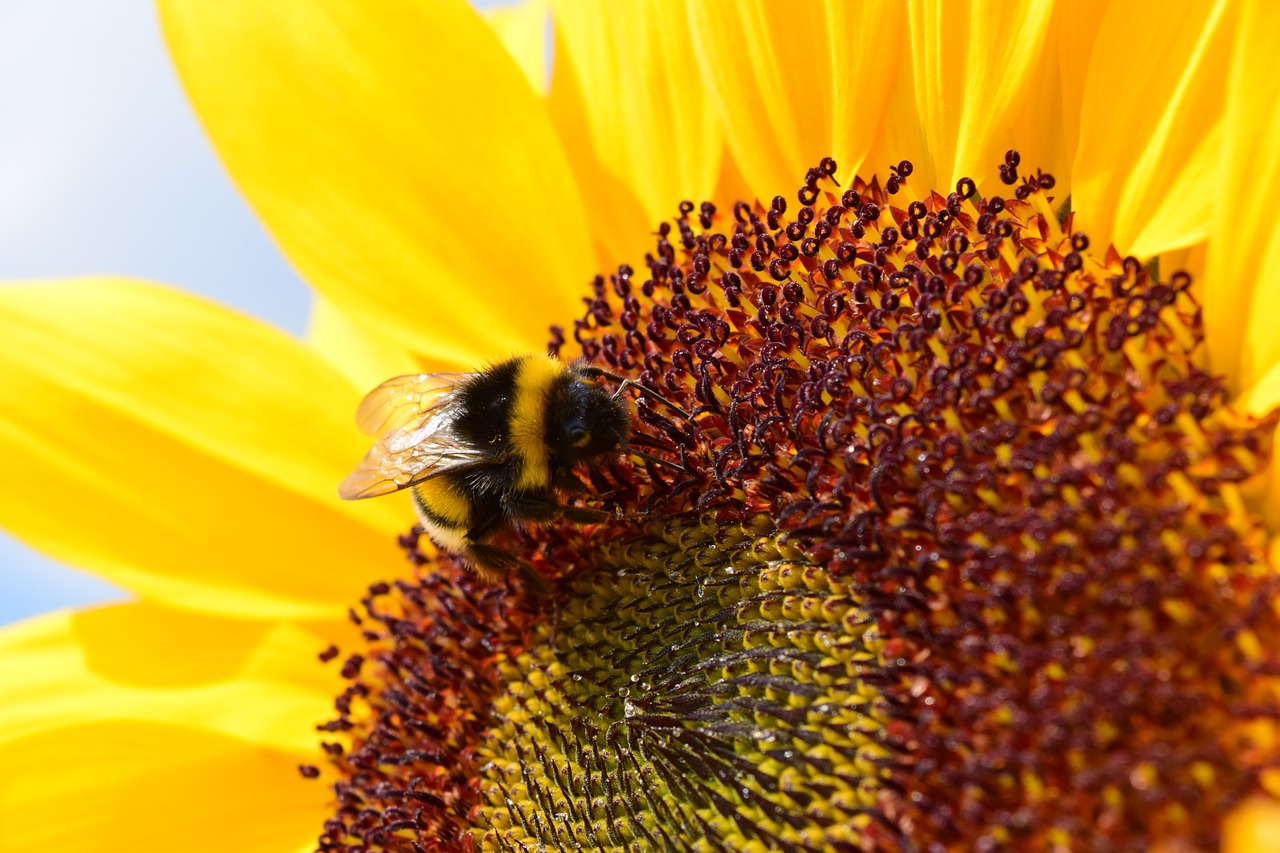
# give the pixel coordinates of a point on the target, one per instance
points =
(401, 401)
(413, 417)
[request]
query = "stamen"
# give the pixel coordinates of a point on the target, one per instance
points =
(408, 780)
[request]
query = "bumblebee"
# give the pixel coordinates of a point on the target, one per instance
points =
(483, 450)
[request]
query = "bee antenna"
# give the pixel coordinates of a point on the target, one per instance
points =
(624, 383)
(649, 392)
(649, 457)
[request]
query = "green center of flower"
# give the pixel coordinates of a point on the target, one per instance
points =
(705, 683)
(960, 558)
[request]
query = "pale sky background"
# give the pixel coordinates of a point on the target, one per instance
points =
(104, 169)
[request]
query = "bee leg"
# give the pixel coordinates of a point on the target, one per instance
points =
(491, 564)
(585, 515)
(536, 583)
(624, 384)
(562, 480)
(539, 509)
(533, 508)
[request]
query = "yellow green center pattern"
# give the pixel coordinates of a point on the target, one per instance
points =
(756, 731)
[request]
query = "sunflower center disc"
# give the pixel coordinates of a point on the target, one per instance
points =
(962, 558)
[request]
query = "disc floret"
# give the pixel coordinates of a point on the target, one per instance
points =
(960, 556)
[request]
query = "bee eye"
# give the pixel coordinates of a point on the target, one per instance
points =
(579, 438)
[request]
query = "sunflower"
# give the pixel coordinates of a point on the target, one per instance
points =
(969, 540)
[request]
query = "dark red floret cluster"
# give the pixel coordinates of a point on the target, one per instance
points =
(937, 453)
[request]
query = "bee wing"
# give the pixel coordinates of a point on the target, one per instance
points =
(406, 400)
(410, 455)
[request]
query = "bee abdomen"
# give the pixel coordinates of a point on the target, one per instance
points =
(445, 513)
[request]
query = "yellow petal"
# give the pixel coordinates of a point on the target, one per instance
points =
(1191, 260)
(183, 451)
(731, 186)
(972, 69)
(258, 682)
(1242, 283)
(135, 728)
(522, 29)
(620, 228)
(1076, 25)
(1038, 131)
(1182, 213)
(794, 83)
(649, 118)
(1253, 828)
(399, 158)
(363, 356)
(124, 785)
(1145, 170)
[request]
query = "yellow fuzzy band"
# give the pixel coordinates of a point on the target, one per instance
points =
(534, 377)
(445, 501)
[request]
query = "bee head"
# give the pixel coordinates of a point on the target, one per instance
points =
(586, 422)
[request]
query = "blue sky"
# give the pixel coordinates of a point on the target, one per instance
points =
(104, 169)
